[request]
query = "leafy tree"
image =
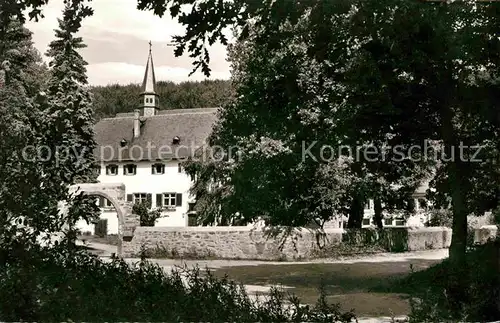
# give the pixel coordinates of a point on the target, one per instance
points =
(270, 130)
(69, 104)
(21, 177)
(409, 71)
(33, 179)
(266, 174)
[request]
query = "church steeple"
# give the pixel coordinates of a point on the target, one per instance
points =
(150, 98)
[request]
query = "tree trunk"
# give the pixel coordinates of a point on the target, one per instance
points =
(356, 212)
(377, 208)
(458, 282)
(457, 184)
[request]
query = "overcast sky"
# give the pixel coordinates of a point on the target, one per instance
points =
(117, 37)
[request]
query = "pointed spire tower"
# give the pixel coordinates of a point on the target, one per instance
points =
(149, 96)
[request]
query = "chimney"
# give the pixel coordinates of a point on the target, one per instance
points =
(137, 125)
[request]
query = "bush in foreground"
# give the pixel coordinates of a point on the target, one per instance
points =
(481, 302)
(60, 284)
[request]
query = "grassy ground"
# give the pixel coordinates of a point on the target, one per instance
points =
(371, 289)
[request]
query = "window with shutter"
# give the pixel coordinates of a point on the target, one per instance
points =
(130, 197)
(169, 200)
(159, 200)
(178, 200)
(399, 222)
(149, 200)
(157, 169)
(140, 198)
(129, 169)
(108, 203)
(112, 170)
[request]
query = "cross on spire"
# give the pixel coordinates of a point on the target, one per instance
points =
(149, 95)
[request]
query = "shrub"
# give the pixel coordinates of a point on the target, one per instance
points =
(101, 228)
(62, 284)
(440, 218)
(387, 239)
(481, 300)
(147, 217)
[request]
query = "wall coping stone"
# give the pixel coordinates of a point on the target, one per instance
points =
(427, 229)
(228, 229)
(99, 186)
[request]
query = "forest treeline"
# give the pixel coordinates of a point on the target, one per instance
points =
(112, 99)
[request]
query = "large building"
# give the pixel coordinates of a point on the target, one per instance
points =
(144, 150)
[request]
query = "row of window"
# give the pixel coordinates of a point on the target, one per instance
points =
(387, 222)
(417, 204)
(131, 169)
(167, 200)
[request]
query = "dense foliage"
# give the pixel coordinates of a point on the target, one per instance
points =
(69, 133)
(54, 285)
(430, 304)
(112, 99)
(146, 216)
(383, 74)
(20, 118)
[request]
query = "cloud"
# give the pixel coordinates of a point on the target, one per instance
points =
(117, 37)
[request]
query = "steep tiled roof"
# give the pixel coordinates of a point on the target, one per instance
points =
(155, 142)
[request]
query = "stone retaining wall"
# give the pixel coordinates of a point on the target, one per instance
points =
(262, 244)
(485, 233)
(424, 238)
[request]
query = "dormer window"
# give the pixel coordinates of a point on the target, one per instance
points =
(158, 169)
(112, 170)
(129, 169)
(176, 140)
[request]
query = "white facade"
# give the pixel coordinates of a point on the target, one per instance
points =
(418, 219)
(162, 184)
(170, 184)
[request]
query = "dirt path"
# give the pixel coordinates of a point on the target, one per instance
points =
(386, 257)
